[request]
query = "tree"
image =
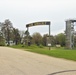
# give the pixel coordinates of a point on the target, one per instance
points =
(52, 40)
(2, 42)
(16, 36)
(27, 37)
(60, 39)
(37, 38)
(75, 40)
(22, 35)
(44, 39)
(27, 33)
(6, 29)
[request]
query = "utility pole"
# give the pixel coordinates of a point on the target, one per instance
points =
(49, 38)
(27, 35)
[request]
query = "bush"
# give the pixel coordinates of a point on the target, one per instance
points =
(2, 44)
(41, 46)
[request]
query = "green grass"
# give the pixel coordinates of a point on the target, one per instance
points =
(55, 52)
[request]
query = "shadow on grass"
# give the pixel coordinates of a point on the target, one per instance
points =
(61, 72)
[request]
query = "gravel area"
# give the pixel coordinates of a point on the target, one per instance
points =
(19, 62)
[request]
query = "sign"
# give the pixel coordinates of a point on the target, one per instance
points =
(49, 44)
(41, 23)
(38, 23)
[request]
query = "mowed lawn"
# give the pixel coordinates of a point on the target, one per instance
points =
(55, 52)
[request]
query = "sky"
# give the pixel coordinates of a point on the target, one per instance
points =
(22, 12)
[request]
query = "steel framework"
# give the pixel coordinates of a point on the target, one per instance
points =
(70, 34)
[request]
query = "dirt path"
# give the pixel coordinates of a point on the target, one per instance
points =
(18, 62)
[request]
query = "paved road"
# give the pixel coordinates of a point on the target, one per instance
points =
(18, 62)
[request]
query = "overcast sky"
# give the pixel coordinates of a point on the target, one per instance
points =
(22, 12)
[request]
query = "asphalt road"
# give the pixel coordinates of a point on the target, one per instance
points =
(18, 62)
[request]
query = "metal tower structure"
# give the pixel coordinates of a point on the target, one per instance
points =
(70, 34)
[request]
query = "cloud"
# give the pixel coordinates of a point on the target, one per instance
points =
(21, 12)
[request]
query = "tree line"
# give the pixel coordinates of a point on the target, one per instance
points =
(9, 33)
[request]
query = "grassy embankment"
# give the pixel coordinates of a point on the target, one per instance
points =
(55, 52)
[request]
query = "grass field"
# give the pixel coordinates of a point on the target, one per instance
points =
(55, 52)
